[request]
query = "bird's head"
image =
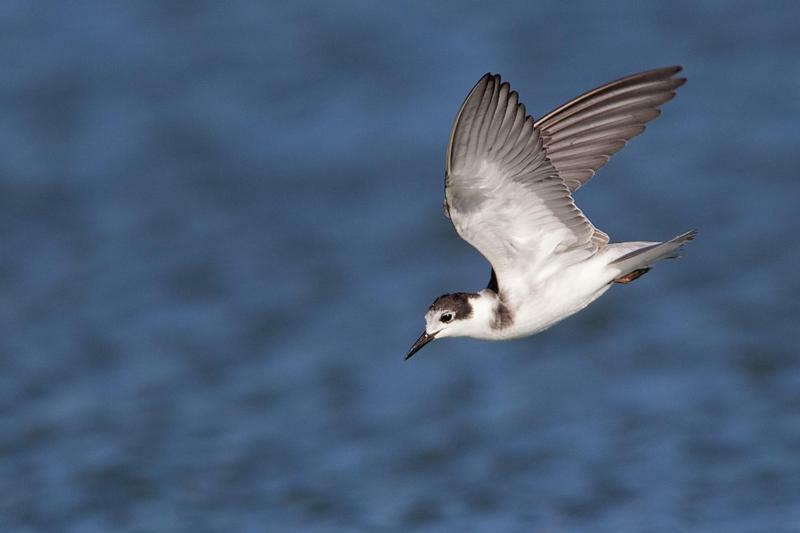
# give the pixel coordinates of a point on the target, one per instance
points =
(450, 315)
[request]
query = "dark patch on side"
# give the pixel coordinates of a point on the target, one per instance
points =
(493, 283)
(458, 303)
(502, 316)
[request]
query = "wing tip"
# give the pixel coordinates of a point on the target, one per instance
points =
(482, 84)
(667, 71)
(661, 73)
(671, 71)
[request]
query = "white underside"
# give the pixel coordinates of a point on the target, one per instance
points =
(541, 303)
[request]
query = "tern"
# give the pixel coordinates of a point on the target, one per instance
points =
(508, 191)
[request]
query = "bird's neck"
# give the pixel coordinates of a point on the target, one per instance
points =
(491, 317)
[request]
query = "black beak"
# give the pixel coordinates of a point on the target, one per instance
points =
(422, 341)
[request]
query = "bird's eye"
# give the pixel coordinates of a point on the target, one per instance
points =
(447, 317)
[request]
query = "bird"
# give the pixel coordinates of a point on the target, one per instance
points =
(509, 181)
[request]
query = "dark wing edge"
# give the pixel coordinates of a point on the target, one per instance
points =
(581, 135)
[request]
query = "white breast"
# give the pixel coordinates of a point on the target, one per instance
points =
(554, 299)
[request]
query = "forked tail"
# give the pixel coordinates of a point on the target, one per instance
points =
(644, 257)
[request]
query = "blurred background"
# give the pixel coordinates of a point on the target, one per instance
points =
(221, 225)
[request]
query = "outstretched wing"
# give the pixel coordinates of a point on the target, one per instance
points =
(509, 180)
(581, 135)
(503, 194)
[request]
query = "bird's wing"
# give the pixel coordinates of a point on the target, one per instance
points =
(504, 195)
(581, 135)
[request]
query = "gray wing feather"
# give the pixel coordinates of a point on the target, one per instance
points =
(583, 134)
(508, 179)
(502, 193)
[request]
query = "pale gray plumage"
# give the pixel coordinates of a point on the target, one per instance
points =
(508, 179)
(502, 193)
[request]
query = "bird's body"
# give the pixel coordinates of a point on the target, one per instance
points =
(563, 293)
(543, 302)
(508, 191)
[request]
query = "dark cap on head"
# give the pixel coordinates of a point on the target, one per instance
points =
(458, 302)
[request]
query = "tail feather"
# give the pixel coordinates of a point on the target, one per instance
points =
(645, 256)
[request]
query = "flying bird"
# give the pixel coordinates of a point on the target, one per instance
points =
(508, 191)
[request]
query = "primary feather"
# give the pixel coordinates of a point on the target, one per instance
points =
(508, 179)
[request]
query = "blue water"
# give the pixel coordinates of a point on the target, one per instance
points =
(220, 227)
